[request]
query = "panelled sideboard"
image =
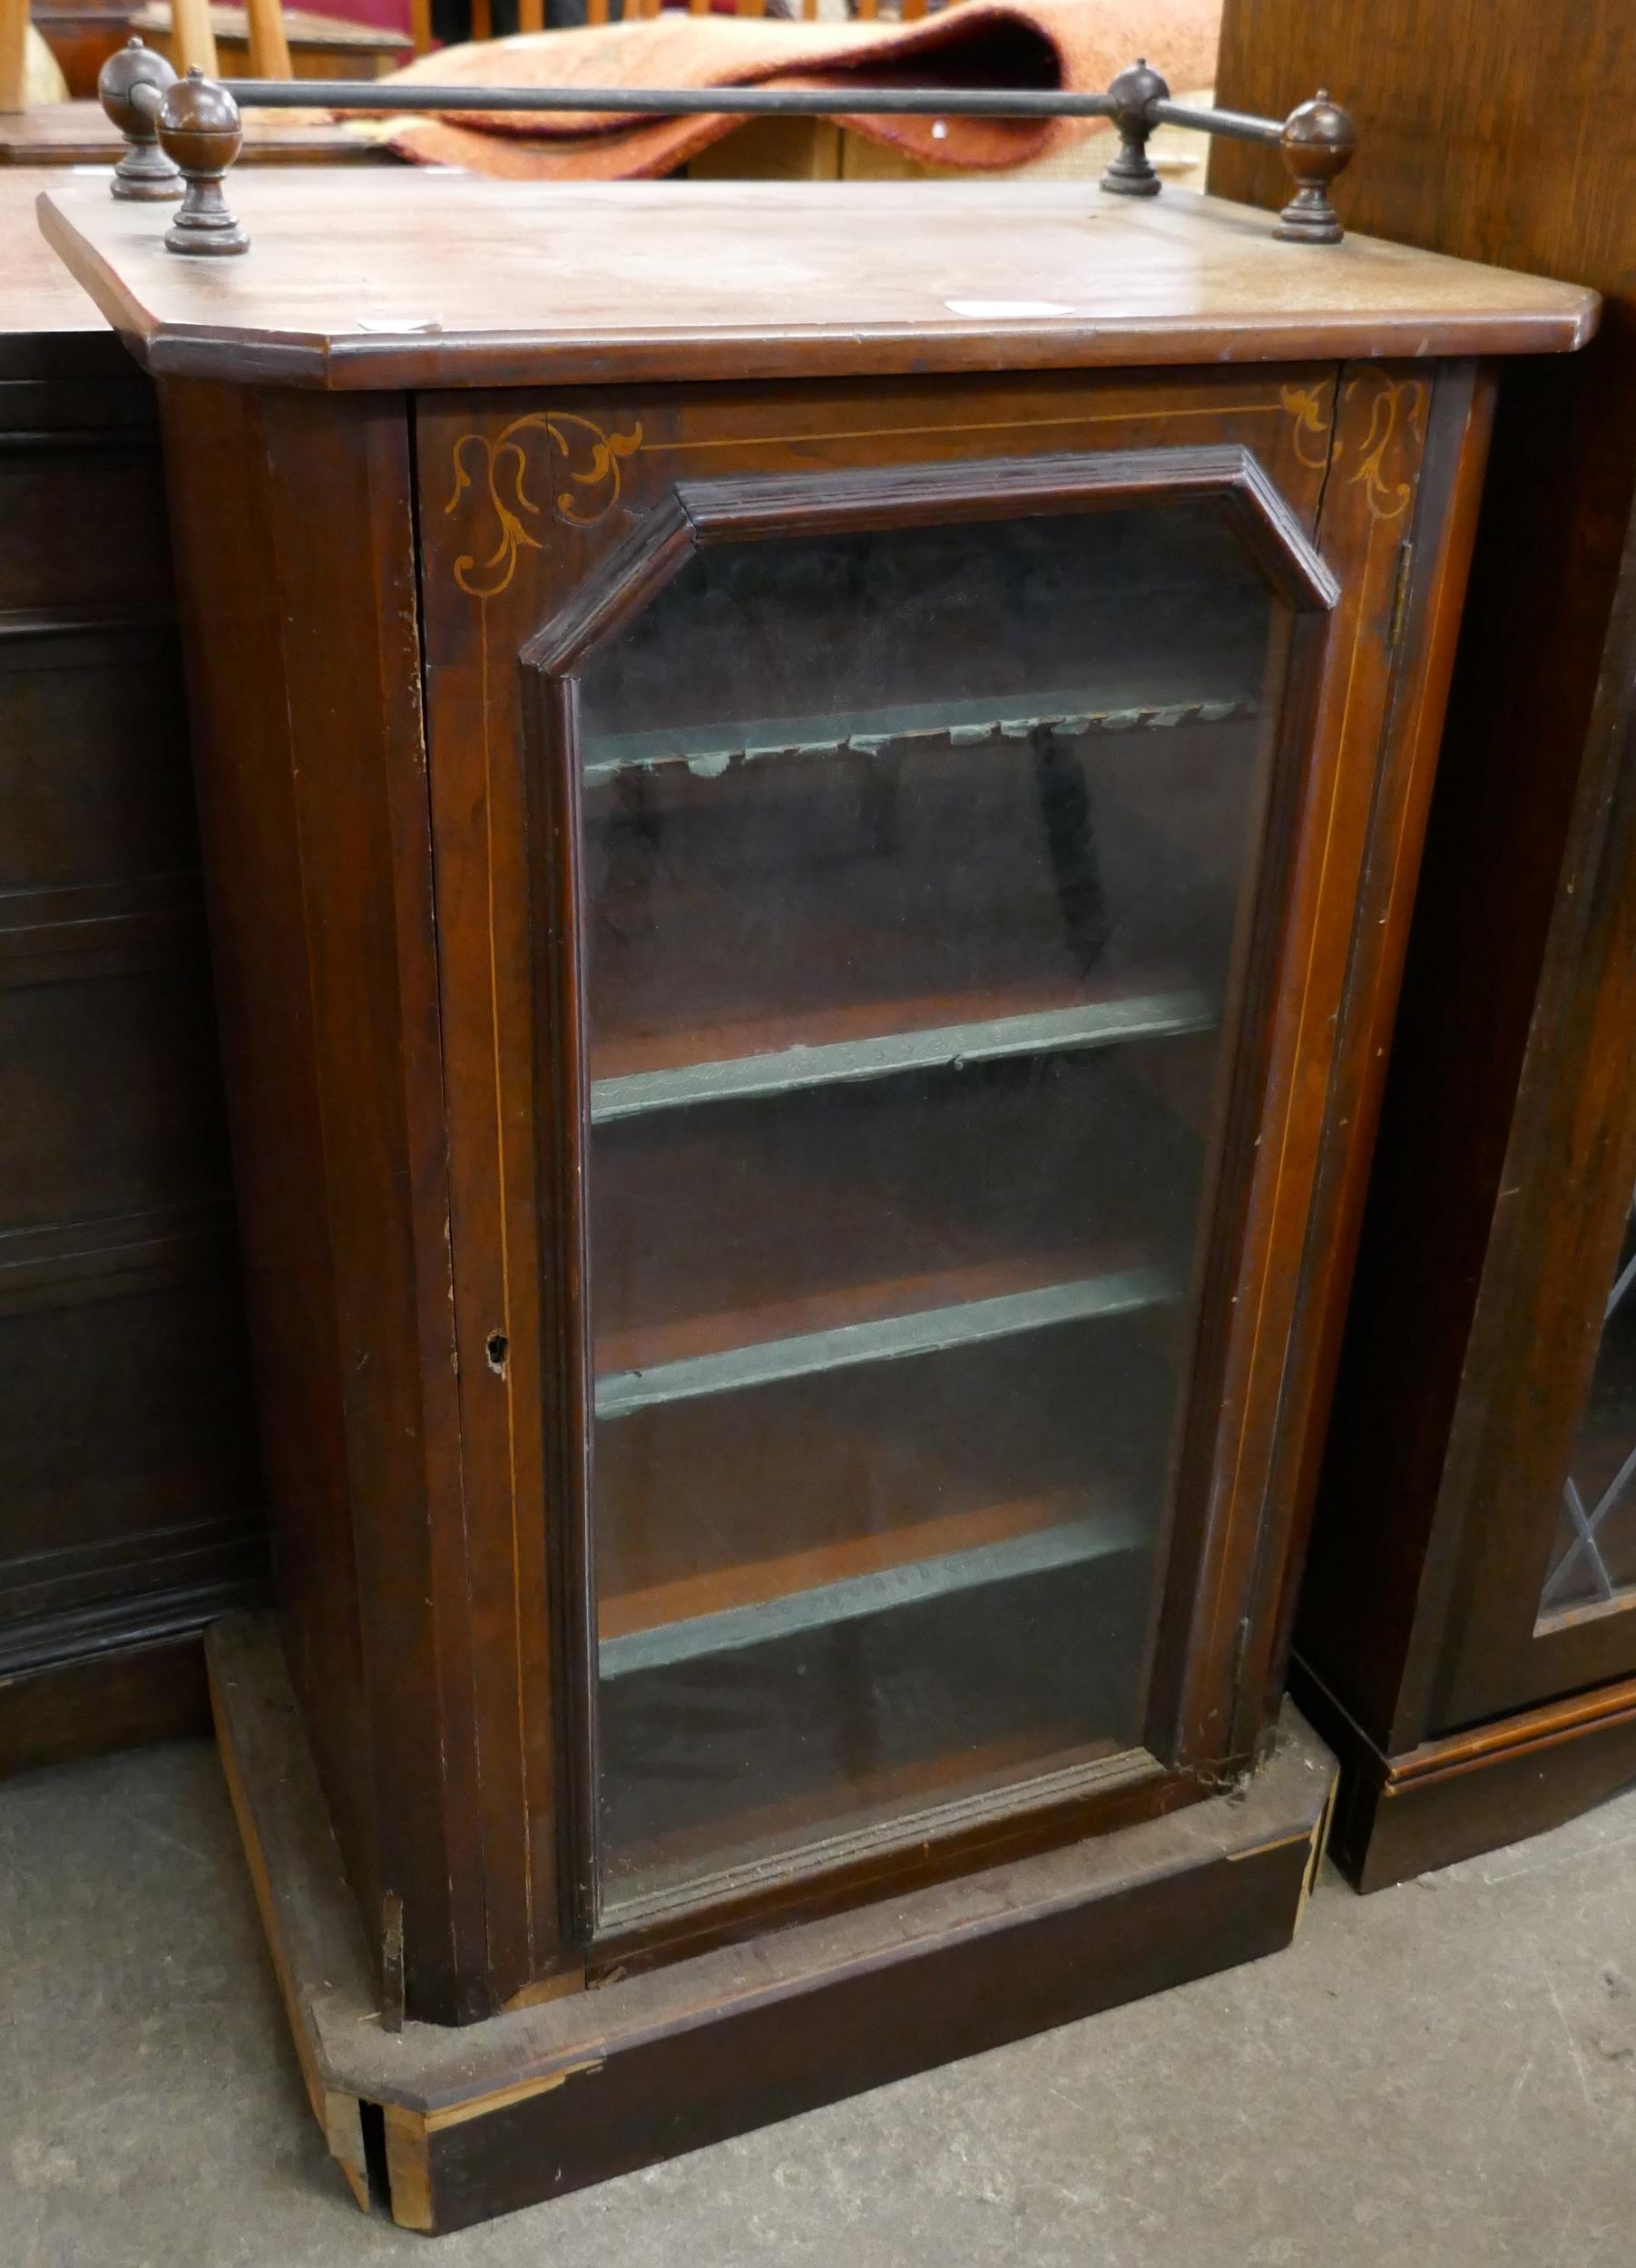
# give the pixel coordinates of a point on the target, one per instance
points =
(130, 1486)
(1465, 1635)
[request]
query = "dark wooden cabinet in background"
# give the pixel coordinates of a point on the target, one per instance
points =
(808, 913)
(130, 1492)
(1470, 1654)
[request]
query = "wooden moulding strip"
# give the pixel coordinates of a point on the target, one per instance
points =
(546, 2097)
(1530, 1732)
(1476, 1791)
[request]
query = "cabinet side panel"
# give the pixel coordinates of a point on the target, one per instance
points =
(473, 636)
(247, 815)
(343, 564)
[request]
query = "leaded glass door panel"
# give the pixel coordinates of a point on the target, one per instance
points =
(1595, 1559)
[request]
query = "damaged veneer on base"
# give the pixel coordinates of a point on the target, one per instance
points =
(494, 2115)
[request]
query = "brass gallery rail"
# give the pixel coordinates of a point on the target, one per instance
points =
(182, 135)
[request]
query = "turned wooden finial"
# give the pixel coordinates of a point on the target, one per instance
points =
(144, 172)
(1130, 173)
(1317, 140)
(200, 132)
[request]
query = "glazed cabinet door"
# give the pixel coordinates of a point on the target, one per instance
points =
(900, 863)
(907, 833)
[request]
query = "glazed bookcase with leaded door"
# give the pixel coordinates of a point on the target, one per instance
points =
(933, 886)
(1542, 1466)
(1466, 1634)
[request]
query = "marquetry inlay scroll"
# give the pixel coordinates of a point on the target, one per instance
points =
(587, 460)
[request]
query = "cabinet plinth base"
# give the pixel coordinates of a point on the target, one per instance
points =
(545, 2099)
(1476, 1791)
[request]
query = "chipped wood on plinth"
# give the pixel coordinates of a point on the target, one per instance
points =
(481, 2118)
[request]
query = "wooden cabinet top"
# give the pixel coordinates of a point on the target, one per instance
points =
(37, 294)
(401, 278)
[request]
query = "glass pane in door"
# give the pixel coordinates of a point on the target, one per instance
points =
(914, 868)
(1595, 1552)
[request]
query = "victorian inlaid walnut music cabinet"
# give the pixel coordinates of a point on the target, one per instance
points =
(810, 803)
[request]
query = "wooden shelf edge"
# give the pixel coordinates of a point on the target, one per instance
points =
(964, 724)
(891, 1338)
(936, 1047)
(884, 1590)
(484, 2118)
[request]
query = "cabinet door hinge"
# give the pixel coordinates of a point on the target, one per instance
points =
(1400, 593)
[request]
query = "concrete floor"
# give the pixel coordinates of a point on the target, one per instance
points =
(1444, 2076)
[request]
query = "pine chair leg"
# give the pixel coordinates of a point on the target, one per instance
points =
(13, 55)
(268, 44)
(193, 38)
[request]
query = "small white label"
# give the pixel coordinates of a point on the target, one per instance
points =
(395, 324)
(1005, 310)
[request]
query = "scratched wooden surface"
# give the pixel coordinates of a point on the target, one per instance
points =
(427, 279)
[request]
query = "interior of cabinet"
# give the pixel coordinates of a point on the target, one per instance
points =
(913, 871)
